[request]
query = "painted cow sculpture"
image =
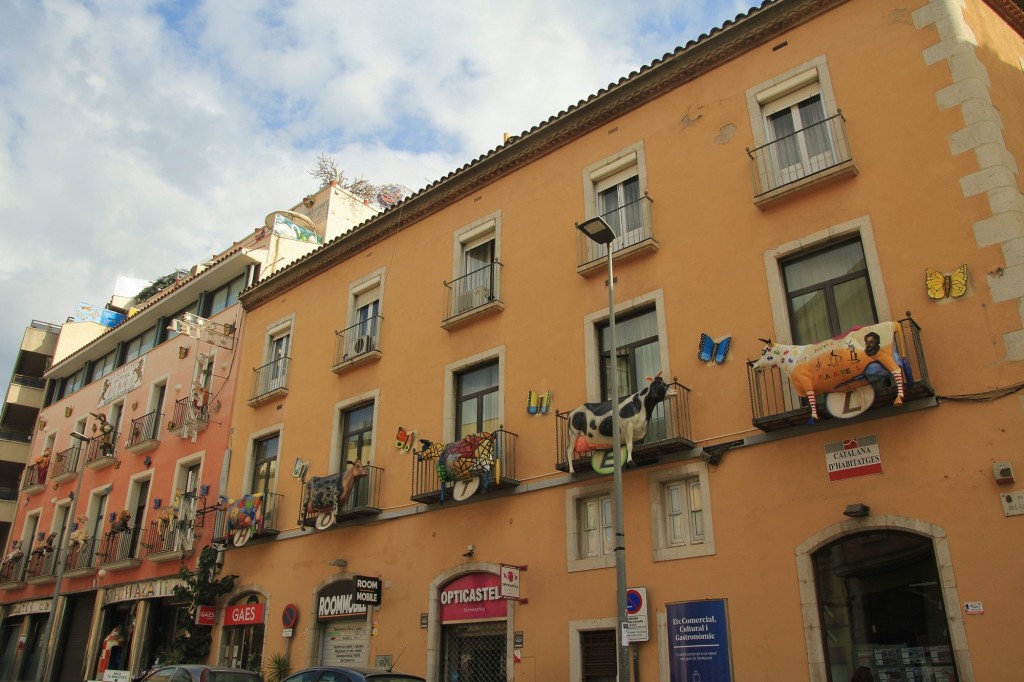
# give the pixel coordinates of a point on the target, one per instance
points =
(590, 424)
(471, 457)
(245, 516)
(325, 495)
(839, 364)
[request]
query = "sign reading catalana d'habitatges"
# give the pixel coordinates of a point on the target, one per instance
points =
(853, 457)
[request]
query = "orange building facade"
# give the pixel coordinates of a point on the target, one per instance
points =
(791, 176)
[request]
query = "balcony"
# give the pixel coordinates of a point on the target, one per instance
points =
(472, 296)
(172, 537)
(81, 559)
(812, 155)
(101, 451)
(776, 405)
(634, 235)
(42, 567)
(428, 488)
(321, 497)
(65, 465)
(144, 433)
(251, 516)
(120, 550)
(15, 445)
(668, 432)
(35, 478)
(357, 344)
(26, 392)
(269, 381)
(188, 421)
(12, 572)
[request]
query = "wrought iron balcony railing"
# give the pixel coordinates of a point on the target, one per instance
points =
(359, 342)
(172, 536)
(144, 433)
(81, 557)
(13, 570)
(801, 154)
(188, 420)
(633, 228)
(668, 431)
(120, 549)
(250, 516)
(427, 486)
(776, 405)
(269, 380)
(474, 293)
(35, 477)
(363, 500)
(42, 566)
(101, 451)
(65, 464)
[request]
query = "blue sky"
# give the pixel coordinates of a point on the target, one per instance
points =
(139, 137)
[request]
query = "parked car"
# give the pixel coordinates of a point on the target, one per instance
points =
(350, 673)
(200, 673)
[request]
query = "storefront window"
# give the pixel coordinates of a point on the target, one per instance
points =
(881, 607)
(342, 626)
(474, 630)
(243, 634)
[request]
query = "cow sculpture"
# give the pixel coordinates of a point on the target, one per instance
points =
(838, 364)
(326, 495)
(590, 424)
(471, 457)
(244, 517)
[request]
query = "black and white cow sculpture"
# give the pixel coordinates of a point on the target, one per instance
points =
(590, 424)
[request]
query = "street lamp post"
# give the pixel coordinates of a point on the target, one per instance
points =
(600, 232)
(46, 671)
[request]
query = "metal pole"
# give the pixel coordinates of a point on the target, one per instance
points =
(45, 672)
(620, 532)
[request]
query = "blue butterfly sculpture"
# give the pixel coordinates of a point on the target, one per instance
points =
(709, 351)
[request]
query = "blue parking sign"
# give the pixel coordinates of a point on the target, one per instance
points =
(698, 641)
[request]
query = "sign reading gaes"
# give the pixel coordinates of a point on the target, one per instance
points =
(243, 614)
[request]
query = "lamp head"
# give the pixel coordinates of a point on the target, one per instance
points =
(597, 230)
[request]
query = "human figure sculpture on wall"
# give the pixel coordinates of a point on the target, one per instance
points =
(106, 434)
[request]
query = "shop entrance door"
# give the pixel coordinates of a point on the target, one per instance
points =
(474, 652)
(344, 642)
(881, 607)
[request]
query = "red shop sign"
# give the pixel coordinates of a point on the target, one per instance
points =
(475, 596)
(243, 614)
(206, 615)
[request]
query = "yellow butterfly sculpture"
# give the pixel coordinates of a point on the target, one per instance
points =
(953, 285)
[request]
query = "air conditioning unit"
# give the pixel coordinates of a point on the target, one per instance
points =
(474, 298)
(362, 344)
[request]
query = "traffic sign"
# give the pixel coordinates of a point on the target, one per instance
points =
(635, 629)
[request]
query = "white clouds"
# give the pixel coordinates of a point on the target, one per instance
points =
(139, 137)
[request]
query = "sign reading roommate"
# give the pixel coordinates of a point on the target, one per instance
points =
(121, 381)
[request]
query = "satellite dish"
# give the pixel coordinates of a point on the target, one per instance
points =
(296, 218)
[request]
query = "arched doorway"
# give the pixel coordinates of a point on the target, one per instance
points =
(242, 638)
(876, 594)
